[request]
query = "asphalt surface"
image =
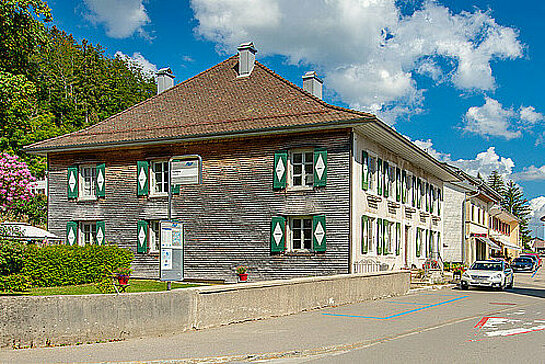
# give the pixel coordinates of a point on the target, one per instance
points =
(478, 325)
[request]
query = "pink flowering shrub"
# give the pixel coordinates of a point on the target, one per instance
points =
(15, 182)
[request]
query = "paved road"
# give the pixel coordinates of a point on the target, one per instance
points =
(449, 325)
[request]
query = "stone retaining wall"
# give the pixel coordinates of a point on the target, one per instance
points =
(53, 320)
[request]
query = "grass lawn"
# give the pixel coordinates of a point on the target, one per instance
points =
(136, 285)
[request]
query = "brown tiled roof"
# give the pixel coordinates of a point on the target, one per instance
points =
(213, 103)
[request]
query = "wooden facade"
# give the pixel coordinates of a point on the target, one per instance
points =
(228, 216)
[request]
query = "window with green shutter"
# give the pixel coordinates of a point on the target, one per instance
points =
(320, 167)
(142, 236)
(280, 170)
(100, 181)
(379, 236)
(278, 234)
(379, 177)
(385, 237)
(71, 233)
(386, 179)
(418, 193)
(418, 241)
(439, 200)
(100, 233)
(319, 233)
(405, 185)
(142, 177)
(398, 238)
(364, 170)
(72, 182)
(398, 184)
(365, 234)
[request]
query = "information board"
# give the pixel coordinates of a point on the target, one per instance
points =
(185, 172)
(172, 250)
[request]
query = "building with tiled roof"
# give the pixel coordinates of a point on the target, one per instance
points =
(264, 174)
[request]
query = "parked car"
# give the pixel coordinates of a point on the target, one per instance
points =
(488, 273)
(524, 264)
(533, 256)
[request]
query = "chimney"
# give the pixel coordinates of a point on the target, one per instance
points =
(165, 80)
(312, 84)
(246, 58)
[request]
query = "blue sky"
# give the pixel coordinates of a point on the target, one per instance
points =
(462, 79)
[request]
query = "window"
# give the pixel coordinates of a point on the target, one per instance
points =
(302, 165)
(87, 233)
(378, 236)
(87, 182)
(301, 233)
(389, 237)
(367, 234)
(159, 178)
(154, 236)
(373, 173)
(414, 191)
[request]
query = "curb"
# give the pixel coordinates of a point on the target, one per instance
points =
(435, 287)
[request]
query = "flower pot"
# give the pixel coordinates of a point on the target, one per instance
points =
(242, 277)
(123, 279)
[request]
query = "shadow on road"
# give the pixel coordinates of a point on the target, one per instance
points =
(534, 292)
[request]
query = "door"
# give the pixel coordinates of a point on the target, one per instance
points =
(406, 250)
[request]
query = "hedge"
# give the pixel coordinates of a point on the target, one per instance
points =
(58, 265)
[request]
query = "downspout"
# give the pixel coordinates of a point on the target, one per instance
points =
(350, 204)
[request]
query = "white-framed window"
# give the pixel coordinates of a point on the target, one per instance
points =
(301, 168)
(373, 172)
(87, 233)
(300, 233)
(392, 181)
(378, 236)
(388, 238)
(154, 238)
(159, 178)
(87, 182)
(367, 234)
(409, 188)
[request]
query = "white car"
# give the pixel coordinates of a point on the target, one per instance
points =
(488, 273)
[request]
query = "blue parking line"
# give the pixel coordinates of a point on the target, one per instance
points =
(403, 313)
(535, 272)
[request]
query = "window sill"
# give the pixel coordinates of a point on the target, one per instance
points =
(300, 188)
(159, 195)
(87, 199)
(300, 253)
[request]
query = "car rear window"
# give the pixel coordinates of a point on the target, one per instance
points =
(523, 260)
(486, 266)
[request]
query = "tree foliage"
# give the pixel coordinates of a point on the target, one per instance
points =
(15, 182)
(51, 84)
(495, 180)
(514, 202)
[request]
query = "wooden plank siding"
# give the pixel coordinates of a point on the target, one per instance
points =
(228, 216)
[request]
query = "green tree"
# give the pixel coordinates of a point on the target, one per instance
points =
(495, 180)
(515, 203)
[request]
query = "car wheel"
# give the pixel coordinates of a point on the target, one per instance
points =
(463, 286)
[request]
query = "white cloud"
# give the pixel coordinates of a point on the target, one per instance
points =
(427, 146)
(530, 116)
(531, 173)
(121, 18)
(368, 50)
(137, 61)
(491, 119)
(537, 207)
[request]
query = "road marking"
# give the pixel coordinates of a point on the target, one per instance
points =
(407, 303)
(535, 272)
(403, 313)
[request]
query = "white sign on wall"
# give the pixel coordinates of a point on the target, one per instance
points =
(185, 172)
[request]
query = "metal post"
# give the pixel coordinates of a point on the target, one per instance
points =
(169, 189)
(169, 285)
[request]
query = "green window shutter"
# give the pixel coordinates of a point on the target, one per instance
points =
(101, 233)
(100, 182)
(320, 167)
(72, 182)
(364, 234)
(418, 193)
(398, 238)
(364, 170)
(432, 199)
(439, 199)
(379, 236)
(418, 242)
(380, 178)
(427, 192)
(318, 233)
(278, 234)
(280, 169)
(386, 182)
(71, 233)
(142, 178)
(404, 189)
(398, 185)
(385, 249)
(142, 236)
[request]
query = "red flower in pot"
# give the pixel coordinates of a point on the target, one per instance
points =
(123, 274)
(241, 272)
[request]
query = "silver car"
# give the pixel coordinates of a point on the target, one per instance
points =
(488, 273)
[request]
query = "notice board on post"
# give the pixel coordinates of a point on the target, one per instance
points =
(172, 250)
